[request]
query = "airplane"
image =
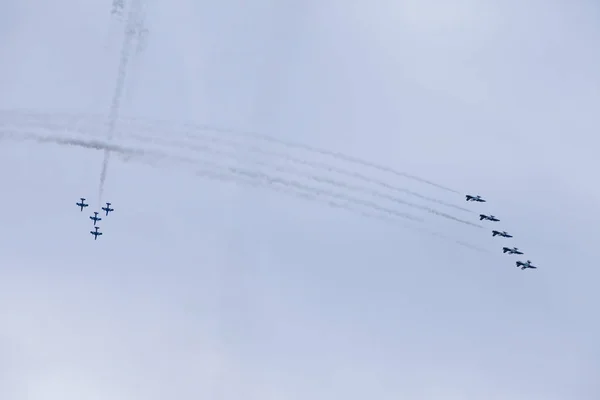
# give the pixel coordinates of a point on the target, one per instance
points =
(475, 198)
(525, 265)
(82, 204)
(514, 250)
(488, 217)
(96, 233)
(95, 218)
(107, 208)
(503, 234)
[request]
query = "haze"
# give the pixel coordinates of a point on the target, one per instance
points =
(211, 283)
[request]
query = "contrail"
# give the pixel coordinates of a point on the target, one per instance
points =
(374, 193)
(253, 178)
(87, 144)
(207, 149)
(291, 189)
(139, 33)
(116, 19)
(334, 154)
(130, 153)
(126, 131)
(290, 144)
(330, 153)
(367, 215)
(118, 93)
(299, 185)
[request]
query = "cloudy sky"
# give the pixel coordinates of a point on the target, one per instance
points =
(236, 286)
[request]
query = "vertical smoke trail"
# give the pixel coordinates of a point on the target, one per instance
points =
(139, 33)
(116, 21)
(118, 93)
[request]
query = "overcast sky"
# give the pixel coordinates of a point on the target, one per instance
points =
(203, 288)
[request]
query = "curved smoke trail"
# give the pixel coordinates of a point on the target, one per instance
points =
(288, 170)
(248, 177)
(170, 126)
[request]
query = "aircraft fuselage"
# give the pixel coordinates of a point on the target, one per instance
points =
(488, 217)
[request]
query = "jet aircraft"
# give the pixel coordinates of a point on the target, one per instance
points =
(488, 217)
(514, 250)
(107, 208)
(95, 218)
(82, 204)
(96, 233)
(525, 265)
(503, 234)
(475, 198)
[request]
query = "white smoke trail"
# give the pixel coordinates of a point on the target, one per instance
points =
(317, 178)
(171, 127)
(118, 93)
(243, 176)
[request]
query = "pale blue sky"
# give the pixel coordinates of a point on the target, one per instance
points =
(207, 289)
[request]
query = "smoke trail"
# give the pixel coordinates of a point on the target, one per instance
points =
(118, 93)
(333, 204)
(273, 180)
(316, 178)
(139, 32)
(257, 179)
(207, 149)
(314, 197)
(334, 154)
(316, 165)
(116, 19)
(340, 184)
(287, 157)
(330, 182)
(86, 144)
(130, 153)
(341, 156)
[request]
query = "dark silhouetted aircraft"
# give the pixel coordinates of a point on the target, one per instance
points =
(96, 233)
(514, 250)
(488, 217)
(475, 198)
(503, 234)
(107, 208)
(95, 218)
(82, 204)
(525, 265)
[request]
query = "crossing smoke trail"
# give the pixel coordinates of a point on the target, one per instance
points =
(118, 93)
(130, 153)
(234, 155)
(170, 126)
(214, 171)
(134, 125)
(87, 144)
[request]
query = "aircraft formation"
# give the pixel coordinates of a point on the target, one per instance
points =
(505, 250)
(107, 209)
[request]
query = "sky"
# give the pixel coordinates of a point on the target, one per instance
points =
(236, 266)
